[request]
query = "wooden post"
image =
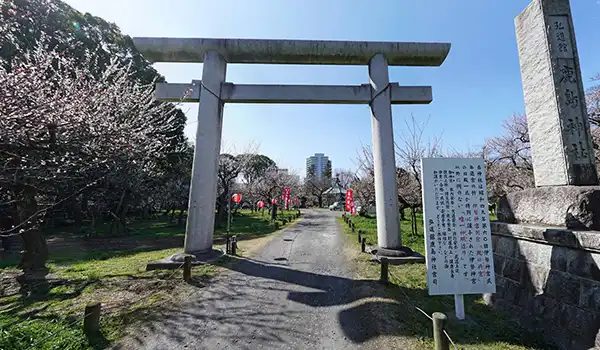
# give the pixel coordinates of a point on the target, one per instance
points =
(91, 318)
(384, 270)
(352, 226)
(227, 245)
(439, 338)
(459, 306)
(360, 233)
(234, 246)
(187, 268)
(363, 244)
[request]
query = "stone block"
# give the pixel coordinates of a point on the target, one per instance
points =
(500, 288)
(589, 239)
(498, 264)
(175, 261)
(535, 277)
(559, 339)
(580, 322)
(495, 243)
(590, 296)
(586, 343)
(581, 263)
(564, 237)
(511, 292)
(543, 305)
(533, 252)
(513, 269)
(505, 246)
(558, 260)
(563, 287)
(520, 231)
(524, 299)
(574, 207)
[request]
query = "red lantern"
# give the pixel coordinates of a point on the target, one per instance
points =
(236, 198)
(260, 204)
(274, 201)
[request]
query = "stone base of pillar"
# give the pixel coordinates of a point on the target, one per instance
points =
(395, 252)
(176, 260)
(573, 207)
(399, 256)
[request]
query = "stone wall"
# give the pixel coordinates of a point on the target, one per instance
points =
(548, 280)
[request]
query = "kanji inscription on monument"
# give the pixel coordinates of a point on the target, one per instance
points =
(559, 131)
(457, 227)
(569, 94)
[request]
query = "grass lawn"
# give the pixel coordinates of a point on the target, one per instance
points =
(483, 328)
(244, 222)
(50, 315)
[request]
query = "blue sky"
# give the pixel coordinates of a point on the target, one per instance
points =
(477, 87)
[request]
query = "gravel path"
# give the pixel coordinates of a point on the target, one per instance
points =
(297, 292)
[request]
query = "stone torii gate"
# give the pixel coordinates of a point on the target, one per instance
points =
(212, 92)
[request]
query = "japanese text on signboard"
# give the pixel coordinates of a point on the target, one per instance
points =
(457, 227)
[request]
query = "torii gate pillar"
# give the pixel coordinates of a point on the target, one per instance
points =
(384, 158)
(200, 223)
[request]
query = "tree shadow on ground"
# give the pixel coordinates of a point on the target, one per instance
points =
(36, 296)
(56, 307)
(342, 291)
(41, 308)
(242, 309)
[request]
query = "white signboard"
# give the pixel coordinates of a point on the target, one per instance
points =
(457, 227)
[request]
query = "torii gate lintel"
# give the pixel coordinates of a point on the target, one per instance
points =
(293, 94)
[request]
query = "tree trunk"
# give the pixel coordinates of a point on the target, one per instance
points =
(180, 217)
(172, 216)
(117, 222)
(123, 216)
(84, 202)
(35, 250)
(413, 219)
(93, 224)
(320, 200)
(77, 214)
(222, 212)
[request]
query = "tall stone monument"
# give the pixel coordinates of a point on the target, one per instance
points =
(561, 143)
(546, 241)
(554, 96)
